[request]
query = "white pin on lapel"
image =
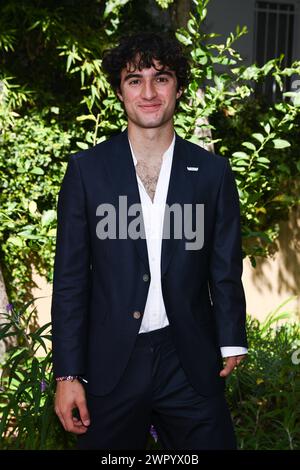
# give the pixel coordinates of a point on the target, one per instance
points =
(192, 168)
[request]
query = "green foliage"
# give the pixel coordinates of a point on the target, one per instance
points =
(164, 3)
(28, 420)
(263, 392)
(32, 153)
(260, 139)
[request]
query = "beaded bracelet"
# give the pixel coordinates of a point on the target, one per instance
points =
(66, 377)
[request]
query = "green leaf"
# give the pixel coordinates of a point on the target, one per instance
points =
(88, 117)
(48, 217)
(203, 60)
(15, 241)
(54, 109)
(258, 137)
(82, 145)
(296, 99)
(241, 155)
(112, 6)
(191, 27)
(37, 171)
(187, 41)
(281, 144)
(32, 207)
(249, 145)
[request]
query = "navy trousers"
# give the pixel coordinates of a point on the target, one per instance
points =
(155, 390)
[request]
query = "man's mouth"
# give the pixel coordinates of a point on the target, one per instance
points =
(150, 107)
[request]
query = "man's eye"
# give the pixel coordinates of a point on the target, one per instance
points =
(133, 82)
(162, 79)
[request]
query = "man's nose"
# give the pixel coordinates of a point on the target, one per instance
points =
(148, 90)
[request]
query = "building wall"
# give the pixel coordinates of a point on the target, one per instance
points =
(277, 278)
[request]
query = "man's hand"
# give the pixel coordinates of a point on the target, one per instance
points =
(230, 363)
(70, 395)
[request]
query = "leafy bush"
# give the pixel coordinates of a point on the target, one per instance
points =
(261, 139)
(28, 420)
(263, 393)
(32, 163)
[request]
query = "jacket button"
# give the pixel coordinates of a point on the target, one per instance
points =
(145, 277)
(136, 315)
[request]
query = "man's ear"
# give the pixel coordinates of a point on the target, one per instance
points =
(119, 94)
(179, 93)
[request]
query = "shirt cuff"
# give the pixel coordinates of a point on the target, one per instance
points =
(228, 351)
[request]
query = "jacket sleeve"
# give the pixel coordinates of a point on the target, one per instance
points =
(71, 283)
(226, 266)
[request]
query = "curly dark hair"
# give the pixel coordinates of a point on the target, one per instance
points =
(139, 50)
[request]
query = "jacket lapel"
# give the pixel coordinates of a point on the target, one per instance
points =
(181, 191)
(122, 173)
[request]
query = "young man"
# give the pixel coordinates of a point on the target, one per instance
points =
(141, 314)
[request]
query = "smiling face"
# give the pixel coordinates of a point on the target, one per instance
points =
(149, 95)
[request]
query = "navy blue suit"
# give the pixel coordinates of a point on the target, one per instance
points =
(99, 285)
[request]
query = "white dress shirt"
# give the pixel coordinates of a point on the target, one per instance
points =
(153, 214)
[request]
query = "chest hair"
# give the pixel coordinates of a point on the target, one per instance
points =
(148, 173)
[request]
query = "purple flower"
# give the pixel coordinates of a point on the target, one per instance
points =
(43, 385)
(153, 432)
(9, 308)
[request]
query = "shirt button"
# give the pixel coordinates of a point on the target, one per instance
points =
(145, 277)
(136, 315)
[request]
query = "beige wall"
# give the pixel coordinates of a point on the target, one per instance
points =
(272, 282)
(278, 277)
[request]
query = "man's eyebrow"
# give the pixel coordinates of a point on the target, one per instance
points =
(164, 72)
(139, 75)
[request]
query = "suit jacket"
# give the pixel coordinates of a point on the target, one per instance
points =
(100, 285)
